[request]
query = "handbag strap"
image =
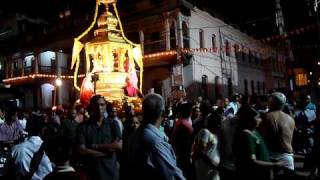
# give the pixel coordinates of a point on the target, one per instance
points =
(35, 162)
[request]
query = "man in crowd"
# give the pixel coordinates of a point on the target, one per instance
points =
(23, 154)
(11, 129)
(98, 139)
(182, 139)
(150, 156)
(277, 129)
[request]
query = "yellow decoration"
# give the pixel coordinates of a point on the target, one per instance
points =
(77, 47)
(110, 58)
(77, 44)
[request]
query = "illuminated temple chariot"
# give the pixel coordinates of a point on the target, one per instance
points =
(111, 62)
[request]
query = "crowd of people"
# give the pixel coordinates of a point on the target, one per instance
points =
(238, 137)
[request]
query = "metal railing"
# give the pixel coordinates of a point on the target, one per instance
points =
(41, 70)
(154, 46)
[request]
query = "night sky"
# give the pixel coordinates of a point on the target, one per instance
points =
(254, 17)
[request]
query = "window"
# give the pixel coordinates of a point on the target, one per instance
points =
(227, 48)
(245, 87)
(172, 36)
(301, 79)
(185, 34)
(277, 65)
(205, 85)
(237, 54)
(252, 87)
(256, 58)
(214, 42)
(230, 91)
(15, 65)
(258, 87)
(201, 38)
(273, 63)
(250, 56)
(53, 64)
(244, 54)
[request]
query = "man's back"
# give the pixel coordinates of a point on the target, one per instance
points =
(150, 156)
(22, 155)
(277, 128)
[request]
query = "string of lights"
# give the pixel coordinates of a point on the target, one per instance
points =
(34, 76)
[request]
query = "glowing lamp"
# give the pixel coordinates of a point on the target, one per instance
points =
(137, 54)
(58, 82)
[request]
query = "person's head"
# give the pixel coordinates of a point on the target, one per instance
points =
(136, 122)
(199, 99)
(234, 98)
(244, 100)
(220, 103)
(249, 118)
(58, 146)
(129, 111)
(11, 114)
(277, 101)
(307, 99)
(128, 81)
(197, 112)
(185, 110)
(97, 107)
(59, 112)
(20, 114)
(35, 125)
(226, 101)
(113, 112)
(73, 114)
(153, 107)
(79, 109)
(203, 140)
(214, 121)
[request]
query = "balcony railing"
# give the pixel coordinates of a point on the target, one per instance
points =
(53, 70)
(28, 70)
(159, 46)
(41, 70)
(154, 46)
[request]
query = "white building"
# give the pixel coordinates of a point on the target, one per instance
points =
(223, 60)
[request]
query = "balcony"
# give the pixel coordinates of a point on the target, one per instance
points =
(52, 70)
(154, 46)
(159, 46)
(28, 70)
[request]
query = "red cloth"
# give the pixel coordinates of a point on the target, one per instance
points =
(131, 91)
(126, 65)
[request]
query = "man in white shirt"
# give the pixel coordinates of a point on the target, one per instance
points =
(23, 153)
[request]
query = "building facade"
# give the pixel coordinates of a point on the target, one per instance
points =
(218, 59)
(187, 51)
